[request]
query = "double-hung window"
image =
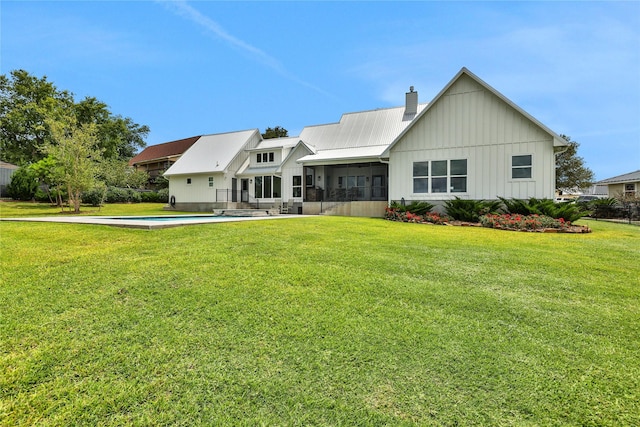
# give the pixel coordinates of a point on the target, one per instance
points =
(440, 176)
(420, 177)
(297, 186)
(630, 189)
(521, 166)
(210, 182)
(459, 176)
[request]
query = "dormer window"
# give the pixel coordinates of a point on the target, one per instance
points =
(265, 157)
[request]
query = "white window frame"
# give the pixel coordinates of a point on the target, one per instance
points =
(295, 186)
(522, 167)
(429, 177)
(630, 188)
(210, 182)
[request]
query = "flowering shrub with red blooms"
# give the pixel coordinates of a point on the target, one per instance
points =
(429, 217)
(522, 222)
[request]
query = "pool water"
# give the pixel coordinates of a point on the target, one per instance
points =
(165, 218)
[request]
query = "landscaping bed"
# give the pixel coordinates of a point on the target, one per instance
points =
(532, 216)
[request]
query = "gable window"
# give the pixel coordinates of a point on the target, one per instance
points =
(440, 176)
(210, 182)
(521, 166)
(297, 186)
(259, 158)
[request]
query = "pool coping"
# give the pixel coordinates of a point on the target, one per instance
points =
(140, 223)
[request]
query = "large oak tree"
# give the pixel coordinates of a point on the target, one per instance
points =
(28, 104)
(571, 171)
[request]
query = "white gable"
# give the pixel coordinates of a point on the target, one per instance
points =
(213, 153)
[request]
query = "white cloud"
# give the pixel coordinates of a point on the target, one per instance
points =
(183, 9)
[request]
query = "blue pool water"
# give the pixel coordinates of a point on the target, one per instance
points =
(167, 218)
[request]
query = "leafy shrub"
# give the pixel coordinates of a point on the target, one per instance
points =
(568, 211)
(419, 208)
(470, 210)
(23, 185)
(163, 195)
(394, 214)
(415, 207)
(522, 222)
(122, 195)
(95, 196)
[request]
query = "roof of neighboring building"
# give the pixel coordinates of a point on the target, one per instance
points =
(211, 153)
(164, 150)
(5, 165)
(627, 177)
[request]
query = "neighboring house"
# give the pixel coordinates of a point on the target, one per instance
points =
(469, 142)
(156, 159)
(627, 184)
(6, 170)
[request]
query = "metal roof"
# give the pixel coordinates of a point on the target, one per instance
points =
(211, 153)
(257, 171)
(347, 154)
(271, 143)
(358, 135)
(627, 177)
(360, 129)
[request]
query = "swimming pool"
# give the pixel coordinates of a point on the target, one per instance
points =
(166, 217)
(149, 222)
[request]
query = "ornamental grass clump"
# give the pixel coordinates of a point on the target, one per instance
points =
(533, 222)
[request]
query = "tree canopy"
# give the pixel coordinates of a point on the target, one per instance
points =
(29, 104)
(276, 132)
(571, 172)
(77, 158)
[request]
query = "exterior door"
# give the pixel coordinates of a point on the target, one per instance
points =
(378, 187)
(234, 190)
(244, 184)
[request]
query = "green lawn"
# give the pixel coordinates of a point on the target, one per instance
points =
(317, 321)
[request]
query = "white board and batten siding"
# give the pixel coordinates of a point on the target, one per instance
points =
(470, 122)
(198, 190)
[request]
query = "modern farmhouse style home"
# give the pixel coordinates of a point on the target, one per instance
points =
(469, 142)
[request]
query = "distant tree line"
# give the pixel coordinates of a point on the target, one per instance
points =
(65, 145)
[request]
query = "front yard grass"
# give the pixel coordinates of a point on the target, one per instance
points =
(318, 321)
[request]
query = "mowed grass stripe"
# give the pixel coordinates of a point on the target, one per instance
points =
(318, 321)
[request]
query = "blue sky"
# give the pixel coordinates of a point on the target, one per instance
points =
(201, 67)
